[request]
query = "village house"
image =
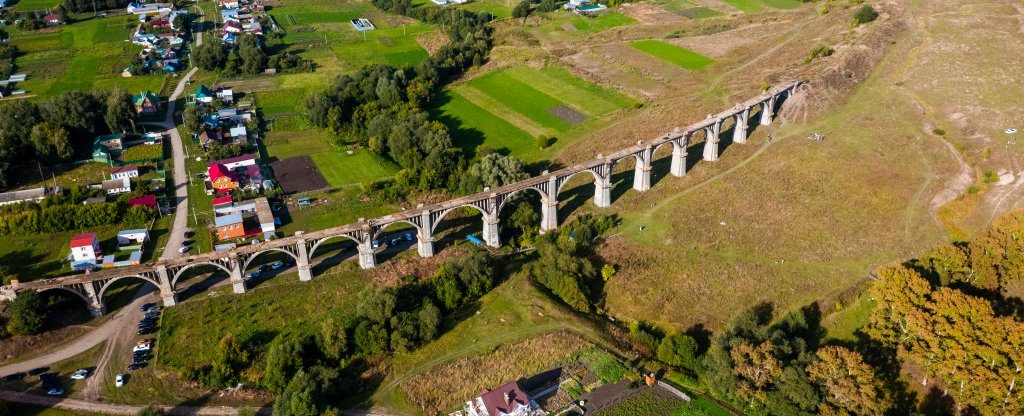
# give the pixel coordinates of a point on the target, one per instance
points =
(28, 195)
(143, 201)
(116, 186)
(127, 171)
(136, 237)
(152, 8)
(84, 250)
(257, 209)
(203, 94)
(146, 103)
(507, 400)
(228, 174)
(226, 95)
(52, 19)
(229, 226)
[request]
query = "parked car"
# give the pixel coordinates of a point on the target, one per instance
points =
(289, 262)
(189, 234)
(15, 376)
(145, 307)
(145, 331)
(154, 308)
(252, 275)
(394, 241)
(119, 380)
(37, 371)
(277, 265)
(187, 242)
(81, 374)
(56, 391)
(146, 341)
(376, 243)
(255, 241)
(144, 347)
(183, 250)
(408, 236)
(263, 268)
(136, 366)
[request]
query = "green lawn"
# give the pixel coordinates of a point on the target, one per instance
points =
(746, 6)
(340, 168)
(783, 4)
(395, 46)
(700, 12)
(671, 53)
(344, 206)
(289, 100)
(29, 5)
(579, 26)
(521, 98)
(508, 108)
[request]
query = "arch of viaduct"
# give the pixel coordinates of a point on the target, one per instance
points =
(303, 245)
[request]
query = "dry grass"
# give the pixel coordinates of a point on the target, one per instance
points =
(448, 386)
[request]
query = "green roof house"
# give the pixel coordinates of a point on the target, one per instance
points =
(204, 94)
(146, 103)
(107, 148)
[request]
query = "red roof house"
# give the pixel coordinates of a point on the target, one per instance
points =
(83, 240)
(145, 200)
(52, 19)
(509, 399)
(222, 200)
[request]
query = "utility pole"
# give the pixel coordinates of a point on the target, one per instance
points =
(41, 177)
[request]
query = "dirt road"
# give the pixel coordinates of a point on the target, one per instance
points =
(113, 409)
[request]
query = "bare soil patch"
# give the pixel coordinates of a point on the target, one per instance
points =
(298, 174)
(649, 14)
(568, 114)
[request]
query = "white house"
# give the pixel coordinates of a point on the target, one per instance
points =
(117, 186)
(238, 162)
(238, 133)
(84, 248)
(132, 237)
(507, 400)
(227, 96)
(127, 171)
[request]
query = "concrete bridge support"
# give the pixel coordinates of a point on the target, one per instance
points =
(96, 306)
(603, 191)
(305, 270)
(642, 174)
(678, 160)
(548, 214)
(491, 236)
(549, 207)
(367, 258)
(768, 111)
(739, 132)
(167, 293)
(711, 141)
(425, 238)
(237, 282)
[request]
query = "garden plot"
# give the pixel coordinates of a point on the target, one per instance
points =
(613, 74)
(640, 62)
(671, 53)
(298, 174)
(508, 108)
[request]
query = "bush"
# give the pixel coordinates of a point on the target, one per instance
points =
(865, 14)
(939, 132)
(544, 142)
(818, 51)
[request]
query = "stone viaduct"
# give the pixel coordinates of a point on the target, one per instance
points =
(303, 245)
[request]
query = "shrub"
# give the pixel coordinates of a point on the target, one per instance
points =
(818, 51)
(939, 132)
(865, 14)
(990, 177)
(544, 142)
(27, 313)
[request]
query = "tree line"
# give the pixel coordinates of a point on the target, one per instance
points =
(382, 107)
(60, 213)
(52, 131)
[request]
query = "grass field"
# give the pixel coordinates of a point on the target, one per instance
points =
(675, 54)
(88, 53)
(564, 25)
(746, 6)
(340, 168)
(507, 109)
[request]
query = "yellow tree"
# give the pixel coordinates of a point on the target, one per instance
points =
(756, 367)
(903, 318)
(850, 383)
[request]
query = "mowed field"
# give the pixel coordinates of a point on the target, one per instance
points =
(671, 53)
(88, 53)
(321, 31)
(751, 6)
(508, 109)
